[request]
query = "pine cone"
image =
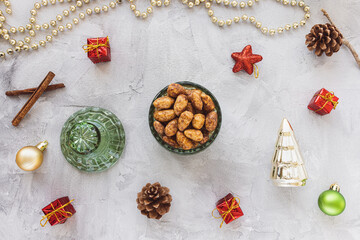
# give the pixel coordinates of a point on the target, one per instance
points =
(154, 200)
(324, 38)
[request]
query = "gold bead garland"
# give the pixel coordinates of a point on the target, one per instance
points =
(55, 27)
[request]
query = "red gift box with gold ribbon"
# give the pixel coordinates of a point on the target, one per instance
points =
(228, 208)
(58, 211)
(98, 49)
(323, 102)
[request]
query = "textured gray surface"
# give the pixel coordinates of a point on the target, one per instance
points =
(174, 44)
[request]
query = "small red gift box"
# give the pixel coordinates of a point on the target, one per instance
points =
(323, 102)
(98, 49)
(58, 211)
(229, 209)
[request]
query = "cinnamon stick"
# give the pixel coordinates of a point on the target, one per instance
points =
(32, 90)
(32, 100)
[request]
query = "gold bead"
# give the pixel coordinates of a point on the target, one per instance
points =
(37, 5)
(53, 2)
(34, 46)
(250, 3)
(244, 17)
(306, 8)
(144, 15)
(252, 19)
(75, 21)
(226, 2)
(30, 158)
(242, 4)
(45, 26)
(97, 10)
(166, 3)
(69, 26)
(20, 43)
(221, 23)
(153, 3)
(236, 19)
(32, 33)
(54, 32)
(88, 11)
(137, 13)
(27, 39)
(72, 8)
(301, 3)
(285, 2)
(61, 28)
(228, 22)
(2, 55)
(302, 23)
(280, 30)
(197, 2)
(207, 4)
(190, 4)
(295, 25)
(59, 17)
(210, 12)
(264, 30)
(32, 20)
(10, 51)
(37, 27)
(293, 3)
(44, 2)
(258, 24)
(81, 15)
(49, 38)
(13, 29)
(307, 16)
(112, 4)
(79, 3)
(287, 27)
(86, 1)
(234, 3)
(53, 23)
(6, 36)
(5, 31)
(42, 43)
(158, 3)
(149, 10)
(214, 19)
(33, 12)
(12, 42)
(2, 19)
(66, 13)
(105, 8)
(8, 11)
(25, 47)
(272, 32)
(17, 49)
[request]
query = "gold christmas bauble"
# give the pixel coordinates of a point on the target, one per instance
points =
(30, 158)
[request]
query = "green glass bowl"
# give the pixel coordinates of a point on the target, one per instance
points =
(213, 135)
(92, 139)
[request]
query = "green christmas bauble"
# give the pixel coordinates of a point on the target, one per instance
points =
(331, 202)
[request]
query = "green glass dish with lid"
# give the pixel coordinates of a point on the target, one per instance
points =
(92, 139)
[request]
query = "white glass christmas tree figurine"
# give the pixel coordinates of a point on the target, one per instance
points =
(288, 168)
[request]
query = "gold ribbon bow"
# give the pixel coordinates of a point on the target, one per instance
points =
(60, 210)
(90, 47)
(328, 98)
(234, 204)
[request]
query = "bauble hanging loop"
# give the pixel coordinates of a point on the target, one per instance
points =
(30, 158)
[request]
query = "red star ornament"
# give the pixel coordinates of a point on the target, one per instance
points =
(245, 60)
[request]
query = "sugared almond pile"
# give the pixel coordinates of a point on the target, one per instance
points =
(185, 118)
